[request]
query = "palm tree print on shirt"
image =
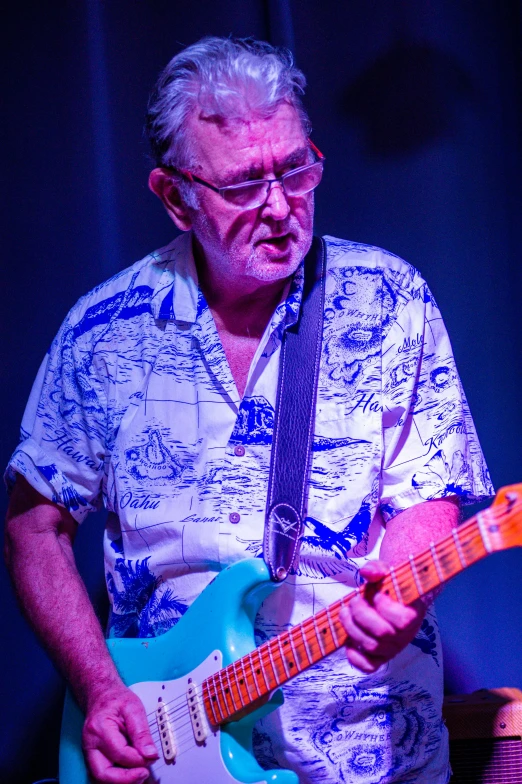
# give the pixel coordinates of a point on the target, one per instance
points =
(140, 610)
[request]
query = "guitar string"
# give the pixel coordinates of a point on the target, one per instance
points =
(263, 650)
(183, 737)
(448, 547)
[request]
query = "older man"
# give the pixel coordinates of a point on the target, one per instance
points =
(157, 399)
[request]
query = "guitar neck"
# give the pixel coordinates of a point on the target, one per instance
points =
(251, 678)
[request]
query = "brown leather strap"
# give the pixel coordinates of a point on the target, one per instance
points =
(294, 422)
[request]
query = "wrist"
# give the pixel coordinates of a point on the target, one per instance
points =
(100, 687)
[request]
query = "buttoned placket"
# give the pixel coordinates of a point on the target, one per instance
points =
(241, 503)
(244, 520)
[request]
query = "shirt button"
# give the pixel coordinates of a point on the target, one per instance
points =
(239, 450)
(234, 517)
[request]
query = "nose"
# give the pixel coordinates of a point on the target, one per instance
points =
(276, 204)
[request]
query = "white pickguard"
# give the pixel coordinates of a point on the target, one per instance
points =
(194, 763)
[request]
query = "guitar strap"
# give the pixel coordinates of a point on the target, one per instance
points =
(294, 422)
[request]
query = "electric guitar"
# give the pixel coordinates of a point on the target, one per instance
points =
(204, 684)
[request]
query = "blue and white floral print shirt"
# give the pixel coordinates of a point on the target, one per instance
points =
(135, 407)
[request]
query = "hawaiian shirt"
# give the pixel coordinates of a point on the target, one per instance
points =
(135, 408)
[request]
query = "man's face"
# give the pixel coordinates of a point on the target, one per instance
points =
(267, 243)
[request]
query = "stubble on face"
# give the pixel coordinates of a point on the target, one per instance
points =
(254, 245)
(263, 267)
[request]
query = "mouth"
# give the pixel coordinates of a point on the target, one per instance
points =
(276, 244)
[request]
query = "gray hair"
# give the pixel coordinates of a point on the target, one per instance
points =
(228, 78)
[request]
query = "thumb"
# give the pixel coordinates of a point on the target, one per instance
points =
(138, 732)
(374, 571)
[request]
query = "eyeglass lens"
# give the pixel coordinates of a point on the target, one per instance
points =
(295, 183)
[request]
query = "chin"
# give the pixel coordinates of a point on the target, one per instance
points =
(275, 266)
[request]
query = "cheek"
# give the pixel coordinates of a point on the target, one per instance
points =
(241, 228)
(303, 210)
(217, 226)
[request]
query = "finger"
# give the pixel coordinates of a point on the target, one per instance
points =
(104, 771)
(362, 618)
(400, 616)
(138, 731)
(108, 736)
(364, 662)
(374, 571)
(357, 637)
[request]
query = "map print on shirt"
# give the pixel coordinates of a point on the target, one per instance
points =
(135, 407)
(376, 729)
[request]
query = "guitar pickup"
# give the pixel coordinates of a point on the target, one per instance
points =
(165, 732)
(197, 714)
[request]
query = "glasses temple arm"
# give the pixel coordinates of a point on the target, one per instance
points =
(316, 150)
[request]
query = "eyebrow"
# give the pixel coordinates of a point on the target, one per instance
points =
(234, 177)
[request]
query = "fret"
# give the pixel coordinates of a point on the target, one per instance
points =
(276, 676)
(305, 643)
(472, 545)
(313, 640)
(318, 637)
(253, 670)
(415, 574)
(425, 568)
(458, 548)
(244, 679)
(332, 629)
(297, 658)
(325, 638)
(484, 532)
(228, 690)
(223, 694)
(448, 561)
(262, 669)
(436, 562)
(396, 585)
(232, 667)
(282, 656)
(212, 698)
(326, 633)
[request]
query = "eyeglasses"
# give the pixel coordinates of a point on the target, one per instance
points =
(254, 193)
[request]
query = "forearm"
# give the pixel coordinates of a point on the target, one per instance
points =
(413, 529)
(378, 627)
(116, 736)
(54, 599)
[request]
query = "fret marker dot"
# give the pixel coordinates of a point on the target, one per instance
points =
(290, 664)
(241, 681)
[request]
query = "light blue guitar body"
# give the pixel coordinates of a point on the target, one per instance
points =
(217, 630)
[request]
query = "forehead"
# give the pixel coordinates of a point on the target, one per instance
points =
(252, 143)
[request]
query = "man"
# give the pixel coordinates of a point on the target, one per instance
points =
(158, 397)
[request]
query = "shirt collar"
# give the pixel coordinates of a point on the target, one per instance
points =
(177, 295)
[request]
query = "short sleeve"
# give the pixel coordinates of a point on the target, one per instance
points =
(430, 445)
(62, 448)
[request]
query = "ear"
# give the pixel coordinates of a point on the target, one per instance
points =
(163, 184)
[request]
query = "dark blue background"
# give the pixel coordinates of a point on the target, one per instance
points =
(417, 107)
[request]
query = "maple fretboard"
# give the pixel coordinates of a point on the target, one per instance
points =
(246, 681)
